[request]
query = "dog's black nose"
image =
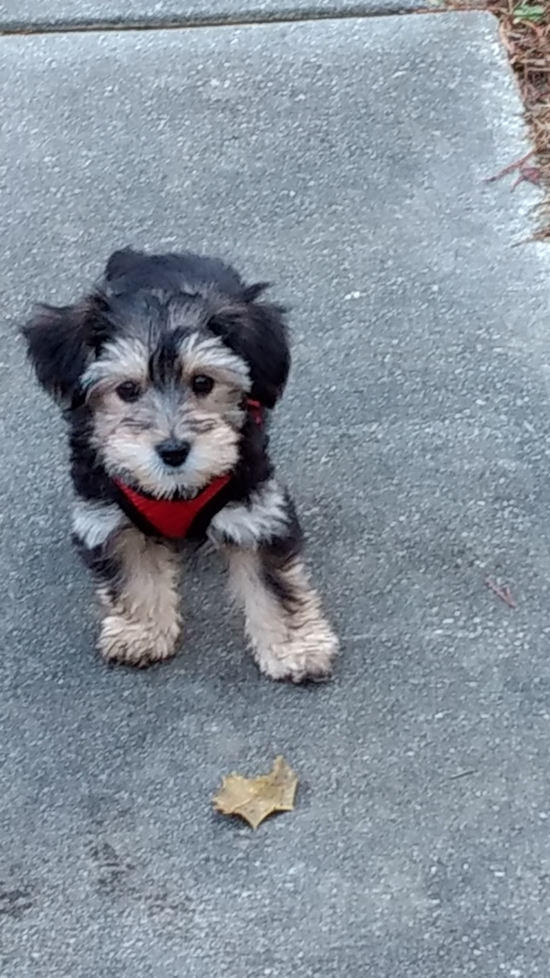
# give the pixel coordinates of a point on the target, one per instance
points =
(173, 452)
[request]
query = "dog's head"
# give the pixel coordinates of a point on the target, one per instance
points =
(164, 354)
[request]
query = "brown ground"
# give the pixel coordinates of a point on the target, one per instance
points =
(525, 32)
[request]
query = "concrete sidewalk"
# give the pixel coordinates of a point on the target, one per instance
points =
(346, 162)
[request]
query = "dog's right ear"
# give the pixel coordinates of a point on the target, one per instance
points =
(61, 342)
(122, 262)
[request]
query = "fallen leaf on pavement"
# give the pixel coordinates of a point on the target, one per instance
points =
(254, 799)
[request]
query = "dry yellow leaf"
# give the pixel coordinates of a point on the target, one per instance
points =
(256, 798)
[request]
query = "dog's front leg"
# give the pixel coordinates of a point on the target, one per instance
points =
(141, 623)
(141, 620)
(137, 585)
(288, 632)
(285, 624)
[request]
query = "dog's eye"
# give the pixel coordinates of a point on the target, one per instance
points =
(128, 391)
(201, 384)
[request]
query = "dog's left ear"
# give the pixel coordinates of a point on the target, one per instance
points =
(257, 332)
(61, 342)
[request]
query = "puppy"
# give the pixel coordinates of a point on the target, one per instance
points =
(166, 373)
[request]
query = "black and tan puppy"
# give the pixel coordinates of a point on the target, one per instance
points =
(166, 373)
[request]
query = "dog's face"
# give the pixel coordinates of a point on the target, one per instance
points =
(164, 355)
(167, 412)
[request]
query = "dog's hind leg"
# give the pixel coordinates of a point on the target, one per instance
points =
(141, 622)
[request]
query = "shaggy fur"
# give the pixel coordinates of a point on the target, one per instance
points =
(155, 370)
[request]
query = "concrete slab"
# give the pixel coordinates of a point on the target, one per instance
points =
(21, 15)
(346, 162)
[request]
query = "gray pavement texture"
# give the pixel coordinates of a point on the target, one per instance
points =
(16, 15)
(346, 162)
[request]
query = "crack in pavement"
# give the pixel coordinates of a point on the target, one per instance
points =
(197, 21)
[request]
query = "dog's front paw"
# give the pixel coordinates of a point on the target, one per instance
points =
(306, 655)
(130, 643)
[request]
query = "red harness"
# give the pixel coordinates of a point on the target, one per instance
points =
(173, 517)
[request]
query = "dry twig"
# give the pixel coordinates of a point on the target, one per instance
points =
(516, 165)
(503, 593)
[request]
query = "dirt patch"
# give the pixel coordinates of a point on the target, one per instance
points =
(525, 33)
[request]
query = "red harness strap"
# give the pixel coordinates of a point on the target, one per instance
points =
(173, 517)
